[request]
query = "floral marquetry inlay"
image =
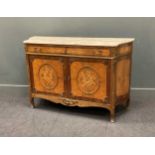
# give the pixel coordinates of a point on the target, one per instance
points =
(48, 77)
(88, 80)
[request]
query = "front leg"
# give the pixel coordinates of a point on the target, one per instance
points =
(112, 115)
(32, 102)
(128, 103)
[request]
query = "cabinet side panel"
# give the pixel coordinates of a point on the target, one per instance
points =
(123, 76)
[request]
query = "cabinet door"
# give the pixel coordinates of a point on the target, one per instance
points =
(89, 79)
(48, 75)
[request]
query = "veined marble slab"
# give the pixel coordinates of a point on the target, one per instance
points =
(79, 41)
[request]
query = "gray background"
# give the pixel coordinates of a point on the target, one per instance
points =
(14, 30)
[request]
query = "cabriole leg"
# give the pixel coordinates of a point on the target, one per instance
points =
(32, 102)
(127, 103)
(112, 115)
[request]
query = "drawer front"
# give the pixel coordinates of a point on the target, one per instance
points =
(89, 51)
(105, 52)
(48, 76)
(89, 80)
(45, 49)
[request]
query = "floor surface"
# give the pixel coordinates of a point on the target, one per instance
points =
(18, 119)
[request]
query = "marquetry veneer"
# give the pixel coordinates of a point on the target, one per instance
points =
(84, 72)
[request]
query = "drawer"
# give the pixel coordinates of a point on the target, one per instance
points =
(89, 51)
(45, 49)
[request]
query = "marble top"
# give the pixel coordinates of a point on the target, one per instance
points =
(80, 41)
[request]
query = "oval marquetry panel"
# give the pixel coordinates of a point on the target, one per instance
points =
(88, 80)
(48, 76)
